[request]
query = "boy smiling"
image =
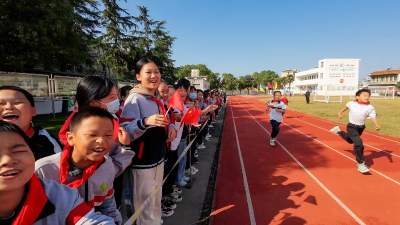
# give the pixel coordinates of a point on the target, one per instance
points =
(26, 199)
(18, 106)
(83, 164)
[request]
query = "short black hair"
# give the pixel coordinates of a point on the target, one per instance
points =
(10, 127)
(277, 92)
(28, 95)
(86, 113)
(124, 91)
(93, 88)
(182, 83)
(198, 90)
(358, 93)
(192, 88)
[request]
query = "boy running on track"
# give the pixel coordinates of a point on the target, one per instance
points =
(276, 115)
(360, 109)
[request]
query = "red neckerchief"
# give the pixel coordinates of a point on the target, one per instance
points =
(64, 167)
(362, 103)
(35, 201)
(29, 131)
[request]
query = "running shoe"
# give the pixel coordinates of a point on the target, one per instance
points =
(182, 183)
(210, 126)
(166, 212)
(208, 136)
(177, 190)
(335, 130)
(194, 169)
(186, 178)
(272, 142)
(207, 139)
(202, 146)
(168, 203)
(362, 168)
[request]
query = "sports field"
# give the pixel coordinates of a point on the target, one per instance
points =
(309, 177)
(388, 112)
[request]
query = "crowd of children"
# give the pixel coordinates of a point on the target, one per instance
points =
(117, 144)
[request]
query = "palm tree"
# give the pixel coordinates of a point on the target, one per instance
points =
(290, 79)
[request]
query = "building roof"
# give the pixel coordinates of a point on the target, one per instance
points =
(385, 72)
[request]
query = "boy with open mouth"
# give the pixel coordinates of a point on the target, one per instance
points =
(84, 163)
(17, 106)
(27, 199)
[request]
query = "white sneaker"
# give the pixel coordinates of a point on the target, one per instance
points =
(202, 146)
(186, 178)
(182, 183)
(272, 142)
(207, 139)
(211, 126)
(335, 130)
(195, 169)
(177, 190)
(208, 136)
(161, 222)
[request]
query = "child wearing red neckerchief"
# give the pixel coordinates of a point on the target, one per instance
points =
(276, 116)
(84, 163)
(27, 199)
(360, 109)
(18, 107)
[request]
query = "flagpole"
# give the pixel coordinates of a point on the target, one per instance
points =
(167, 111)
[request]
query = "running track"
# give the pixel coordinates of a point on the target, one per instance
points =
(309, 177)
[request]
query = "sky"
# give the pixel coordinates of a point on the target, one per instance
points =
(246, 36)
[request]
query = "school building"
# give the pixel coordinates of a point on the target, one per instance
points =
(199, 82)
(338, 72)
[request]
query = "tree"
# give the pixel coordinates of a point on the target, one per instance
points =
(112, 45)
(212, 77)
(246, 82)
(230, 81)
(290, 79)
(52, 34)
(152, 42)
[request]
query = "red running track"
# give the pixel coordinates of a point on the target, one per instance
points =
(309, 177)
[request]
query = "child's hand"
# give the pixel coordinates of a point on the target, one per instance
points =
(156, 120)
(340, 116)
(197, 125)
(171, 133)
(123, 137)
(377, 127)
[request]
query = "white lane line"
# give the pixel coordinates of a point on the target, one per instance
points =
(343, 125)
(312, 176)
(383, 175)
(246, 185)
(330, 132)
(364, 143)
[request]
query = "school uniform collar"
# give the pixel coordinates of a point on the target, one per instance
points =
(362, 103)
(36, 205)
(64, 169)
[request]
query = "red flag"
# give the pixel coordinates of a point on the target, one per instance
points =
(192, 116)
(176, 101)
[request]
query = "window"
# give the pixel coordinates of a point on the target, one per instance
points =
(322, 64)
(321, 75)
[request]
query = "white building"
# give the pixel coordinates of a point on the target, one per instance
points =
(340, 73)
(198, 81)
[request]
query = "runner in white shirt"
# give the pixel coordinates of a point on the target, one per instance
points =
(276, 115)
(360, 109)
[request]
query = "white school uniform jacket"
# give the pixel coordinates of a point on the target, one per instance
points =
(97, 191)
(48, 202)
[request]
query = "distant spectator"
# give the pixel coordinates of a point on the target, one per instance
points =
(308, 96)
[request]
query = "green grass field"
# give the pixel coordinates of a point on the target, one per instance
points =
(388, 112)
(52, 125)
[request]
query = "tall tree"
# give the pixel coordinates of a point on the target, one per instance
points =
(53, 34)
(230, 81)
(246, 82)
(112, 46)
(290, 79)
(154, 42)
